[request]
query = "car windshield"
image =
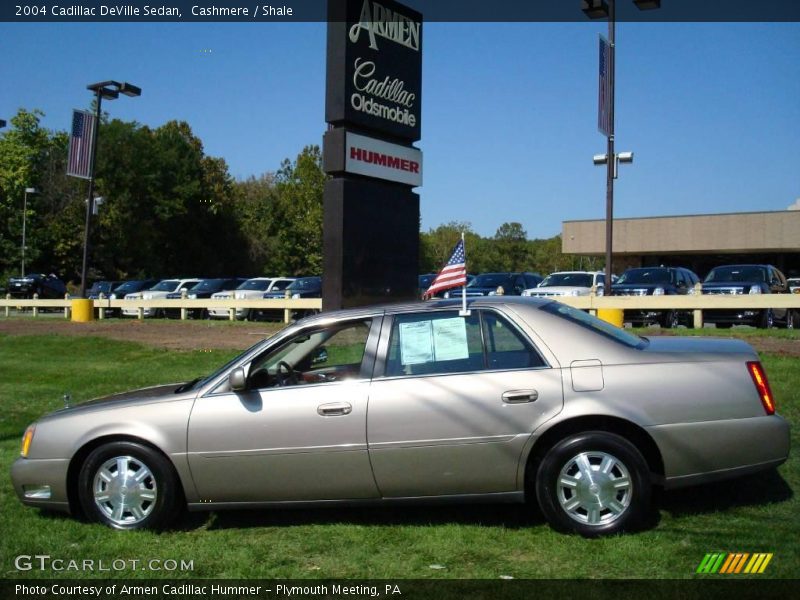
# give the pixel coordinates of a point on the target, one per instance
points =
(101, 287)
(208, 285)
(730, 274)
(128, 287)
(200, 381)
(260, 285)
(491, 280)
(599, 326)
(568, 279)
(645, 276)
(165, 286)
(304, 284)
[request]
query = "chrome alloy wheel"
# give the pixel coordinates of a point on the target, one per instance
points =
(125, 490)
(594, 488)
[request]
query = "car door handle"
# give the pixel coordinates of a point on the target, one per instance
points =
(333, 409)
(520, 396)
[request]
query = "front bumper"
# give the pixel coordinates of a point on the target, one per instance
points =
(733, 317)
(30, 476)
(695, 453)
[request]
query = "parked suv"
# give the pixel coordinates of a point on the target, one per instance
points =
(252, 288)
(489, 284)
(200, 291)
(747, 279)
(656, 281)
(569, 283)
(158, 292)
(45, 286)
(303, 287)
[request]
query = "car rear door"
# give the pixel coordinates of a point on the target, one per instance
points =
(453, 403)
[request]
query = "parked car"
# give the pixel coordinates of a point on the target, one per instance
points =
(158, 292)
(201, 290)
(102, 287)
(302, 287)
(490, 284)
(44, 286)
(252, 288)
(523, 398)
(747, 279)
(656, 281)
(132, 286)
(794, 284)
(569, 283)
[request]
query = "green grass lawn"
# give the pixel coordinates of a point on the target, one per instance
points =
(755, 514)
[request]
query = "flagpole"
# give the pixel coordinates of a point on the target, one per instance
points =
(464, 312)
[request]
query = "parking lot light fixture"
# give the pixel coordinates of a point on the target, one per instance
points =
(602, 9)
(110, 90)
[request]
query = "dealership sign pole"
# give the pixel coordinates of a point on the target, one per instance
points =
(372, 106)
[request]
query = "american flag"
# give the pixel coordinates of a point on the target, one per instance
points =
(604, 93)
(80, 144)
(454, 273)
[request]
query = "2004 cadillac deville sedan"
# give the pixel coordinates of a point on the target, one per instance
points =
(415, 402)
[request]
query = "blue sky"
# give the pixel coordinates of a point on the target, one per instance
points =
(711, 110)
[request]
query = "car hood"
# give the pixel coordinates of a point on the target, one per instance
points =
(159, 393)
(696, 346)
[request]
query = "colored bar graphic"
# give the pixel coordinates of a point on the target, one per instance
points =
(731, 563)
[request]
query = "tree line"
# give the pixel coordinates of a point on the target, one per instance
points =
(171, 210)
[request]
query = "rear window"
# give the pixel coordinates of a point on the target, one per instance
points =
(588, 321)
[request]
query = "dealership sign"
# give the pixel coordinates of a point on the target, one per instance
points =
(382, 160)
(374, 67)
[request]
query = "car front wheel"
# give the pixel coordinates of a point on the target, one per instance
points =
(127, 485)
(594, 483)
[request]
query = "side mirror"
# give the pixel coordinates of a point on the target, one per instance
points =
(237, 379)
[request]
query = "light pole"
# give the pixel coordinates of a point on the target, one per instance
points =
(602, 9)
(29, 190)
(109, 90)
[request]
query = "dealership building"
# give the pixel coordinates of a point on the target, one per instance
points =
(698, 242)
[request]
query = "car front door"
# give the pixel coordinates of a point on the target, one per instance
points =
(454, 403)
(298, 432)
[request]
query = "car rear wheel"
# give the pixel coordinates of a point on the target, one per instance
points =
(594, 483)
(127, 485)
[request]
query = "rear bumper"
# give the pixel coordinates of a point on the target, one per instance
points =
(696, 453)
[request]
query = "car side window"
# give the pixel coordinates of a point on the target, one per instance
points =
(445, 342)
(322, 355)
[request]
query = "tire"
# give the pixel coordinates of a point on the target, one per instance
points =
(789, 318)
(670, 320)
(609, 487)
(152, 502)
(767, 320)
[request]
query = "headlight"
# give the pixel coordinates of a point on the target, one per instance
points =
(295, 296)
(525, 293)
(192, 296)
(574, 293)
(492, 294)
(659, 291)
(755, 289)
(112, 297)
(238, 296)
(447, 294)
(26, 441)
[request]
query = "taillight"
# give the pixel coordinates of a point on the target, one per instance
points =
(762, 386)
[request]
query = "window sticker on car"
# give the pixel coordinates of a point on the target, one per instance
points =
(433, 341)
(416, 343)
(450, 339)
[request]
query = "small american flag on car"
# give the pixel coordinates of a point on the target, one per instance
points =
(454, 273)
(80, 144)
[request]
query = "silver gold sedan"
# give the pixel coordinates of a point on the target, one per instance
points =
(518, 397)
